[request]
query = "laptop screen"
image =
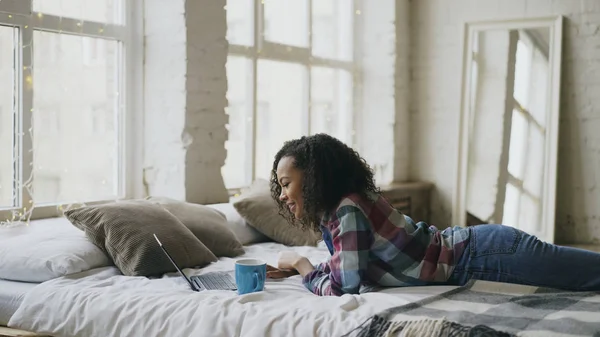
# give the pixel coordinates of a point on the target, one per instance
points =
(175, 264)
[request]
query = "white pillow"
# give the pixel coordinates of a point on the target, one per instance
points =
(246, 234)
(46, 249)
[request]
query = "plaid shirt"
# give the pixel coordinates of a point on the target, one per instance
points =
(371, 243)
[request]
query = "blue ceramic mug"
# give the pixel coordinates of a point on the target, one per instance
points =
(250, 275)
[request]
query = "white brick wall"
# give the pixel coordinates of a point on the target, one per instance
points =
(185, 87)
(164, 97)
(375, 122)
(383, 121)
(436, 31)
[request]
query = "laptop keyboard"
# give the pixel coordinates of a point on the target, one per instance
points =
(216, 281)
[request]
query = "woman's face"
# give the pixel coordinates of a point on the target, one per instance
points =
(290, 179)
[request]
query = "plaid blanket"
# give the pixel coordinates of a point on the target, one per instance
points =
(482, 308)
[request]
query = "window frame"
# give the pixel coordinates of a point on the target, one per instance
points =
(263, 49)
(518, 183)
(128, 31)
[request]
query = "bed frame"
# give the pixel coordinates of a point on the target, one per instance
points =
(8, 332)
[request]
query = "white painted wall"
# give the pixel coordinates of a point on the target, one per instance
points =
(436, 36)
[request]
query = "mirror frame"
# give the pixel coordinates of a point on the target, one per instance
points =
(554, 24)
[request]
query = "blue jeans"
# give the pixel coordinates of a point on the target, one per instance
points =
(505, 254)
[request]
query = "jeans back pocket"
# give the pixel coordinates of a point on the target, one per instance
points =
(494, 239)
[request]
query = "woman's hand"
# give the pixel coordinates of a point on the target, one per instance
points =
(294, 261)
(285, 266)
(276, 273)
(288, 260)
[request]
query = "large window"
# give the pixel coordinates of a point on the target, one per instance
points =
(290, 73)
(64, 105)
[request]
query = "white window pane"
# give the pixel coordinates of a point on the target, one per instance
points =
(533, 177)
(75, 120)
(240, 22)
(286, 22)
(332, 22)
(510, 214)
(518, 144)
(522, 73)
(281, 107)
(538, 94)
(238, 145)
(107, 11)
(331, 103)
(7, 98)
(529, 214)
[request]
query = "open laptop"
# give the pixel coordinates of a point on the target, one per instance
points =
(208, 281)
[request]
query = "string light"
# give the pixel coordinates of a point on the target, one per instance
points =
(22, 215)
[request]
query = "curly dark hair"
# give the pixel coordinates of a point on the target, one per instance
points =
(331, 171)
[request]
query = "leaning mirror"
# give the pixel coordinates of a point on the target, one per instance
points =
(508, 133)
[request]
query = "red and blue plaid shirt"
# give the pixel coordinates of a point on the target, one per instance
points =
(371, 243)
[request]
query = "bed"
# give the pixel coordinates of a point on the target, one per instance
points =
(102, 302)
(11, 296)
(40, 251)
(73, 289)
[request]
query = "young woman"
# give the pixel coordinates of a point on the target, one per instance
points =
(322, 184)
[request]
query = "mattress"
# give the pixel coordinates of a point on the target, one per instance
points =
(11, 296)
(102, 302)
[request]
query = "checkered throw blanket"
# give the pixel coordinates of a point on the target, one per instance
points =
(483, 308)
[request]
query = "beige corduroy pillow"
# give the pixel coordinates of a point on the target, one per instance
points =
(208, 225)
(124, 230)
(260, 211)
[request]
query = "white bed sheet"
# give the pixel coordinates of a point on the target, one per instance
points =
(101, 302)
(11, 296)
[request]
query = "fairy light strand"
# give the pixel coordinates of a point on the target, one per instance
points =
(22, 215)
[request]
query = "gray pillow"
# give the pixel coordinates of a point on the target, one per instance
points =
(260, 211)
(208, 225)
(124, 231)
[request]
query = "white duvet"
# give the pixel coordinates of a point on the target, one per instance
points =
(102, 302)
